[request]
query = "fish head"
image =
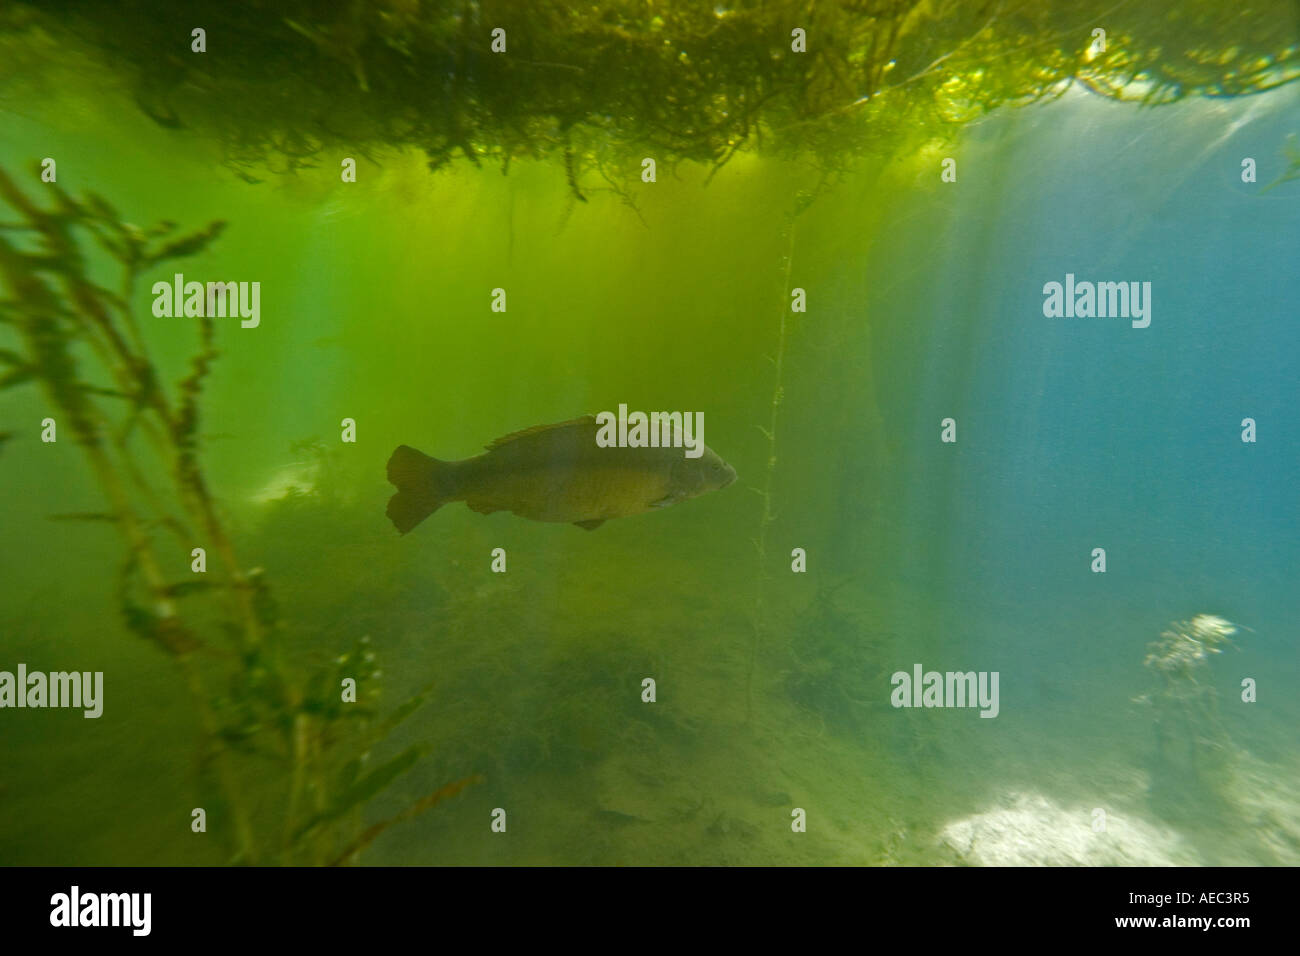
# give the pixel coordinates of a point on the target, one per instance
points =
(693, 477)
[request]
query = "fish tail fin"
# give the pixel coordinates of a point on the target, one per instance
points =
(424, 485)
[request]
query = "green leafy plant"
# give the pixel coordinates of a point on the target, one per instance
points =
(78, 340)
(598, 86)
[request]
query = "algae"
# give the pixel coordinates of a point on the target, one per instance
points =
(598, 87)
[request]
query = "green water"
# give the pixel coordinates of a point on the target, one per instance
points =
(772, 687)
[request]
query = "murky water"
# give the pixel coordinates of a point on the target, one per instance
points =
(945, 463)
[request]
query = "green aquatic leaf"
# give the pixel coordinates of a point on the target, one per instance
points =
(101, 207)
(189, 245)
(368, 786)
(400, 714)
(106, 392)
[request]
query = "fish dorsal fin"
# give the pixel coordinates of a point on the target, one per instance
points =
(537, 429)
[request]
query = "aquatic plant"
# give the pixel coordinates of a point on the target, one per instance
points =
(1187, 645)
(79, 340)
(601, 85)
(1186, 704)
(761, 615)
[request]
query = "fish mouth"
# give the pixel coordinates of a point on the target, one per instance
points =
(731, 476)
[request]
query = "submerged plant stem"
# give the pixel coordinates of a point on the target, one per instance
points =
(768, 515)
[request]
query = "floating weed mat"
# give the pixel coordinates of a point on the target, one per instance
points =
(285, 763)
(598, 86)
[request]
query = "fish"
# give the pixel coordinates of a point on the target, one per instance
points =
(554, 473)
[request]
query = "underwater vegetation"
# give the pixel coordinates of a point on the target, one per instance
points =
(599, 86)
(259, 708)
(1191, 742)
(533, 670)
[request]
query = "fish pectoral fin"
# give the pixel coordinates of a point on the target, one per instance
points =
(591, 525)
(665, 501)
